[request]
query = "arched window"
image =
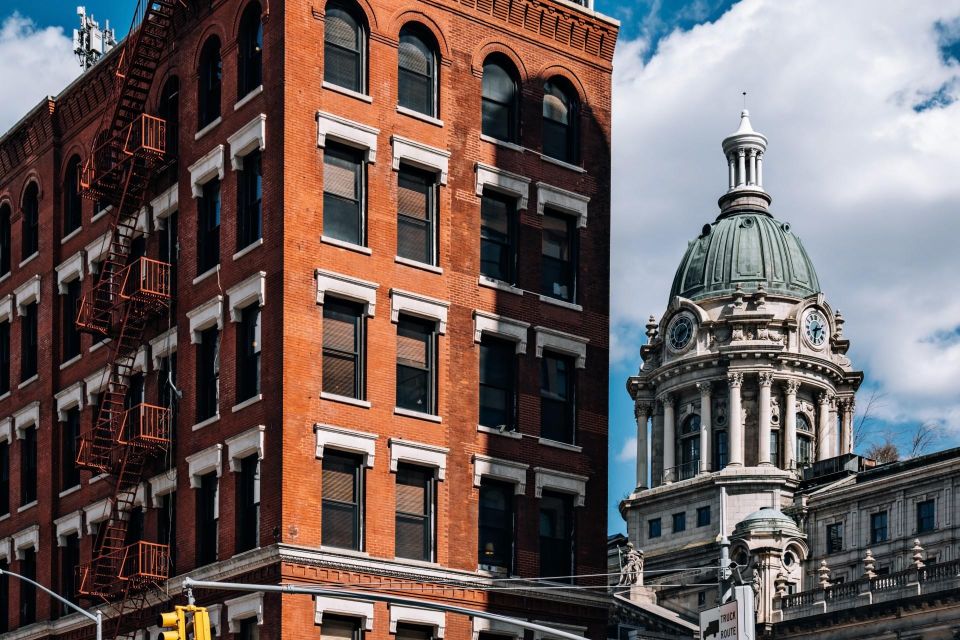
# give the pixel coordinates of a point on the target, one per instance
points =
(689, 447)
(72, 203)
(501, 94)
(344, 47)
(30, 235)
(210, 82)
(5, 215)
(250, 49)
(804, 441)
(560, 108)
(417, 75)
(169, 110)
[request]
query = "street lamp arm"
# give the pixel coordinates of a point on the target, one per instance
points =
(97, 618)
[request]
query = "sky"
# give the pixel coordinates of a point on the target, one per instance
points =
(859, 101)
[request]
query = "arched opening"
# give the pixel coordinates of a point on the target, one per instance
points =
(345, 47)
(500, 99)
(417, 74)
(689, 443)
(804, 441)
(72, 202)
(250, 50)
(560, 118)
(30, 210)
(209, 84)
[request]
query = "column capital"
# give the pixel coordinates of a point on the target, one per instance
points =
(735, 379)
(642, 407)
(667, 399)
(847, 404)
(824, 398)
(741, 152)
(766, 378)
(791, 386)
(706, 388)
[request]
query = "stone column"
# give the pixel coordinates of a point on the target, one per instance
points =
(642, 410)
(705, 426)
(760, 169)
(752, 177)
(766, 379)
(846, 422)
(732, 170)
(790, 424)
(669, 439)
(824, 432)
(741, 167)
(735, 380)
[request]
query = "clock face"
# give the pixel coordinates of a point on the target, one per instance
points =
(815, 328)
(681, 332)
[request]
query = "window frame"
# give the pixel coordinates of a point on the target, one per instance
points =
(572, 264)
(833, 535)
(207, 519)
(678, 522)
(249, 333)
(561, 88)
(247, 511)
(250, 200)
(428, 330)
(879, 533)
(250, 50)
(509, 245)
(69, 306)
(210, 83)
(421, 35)
(493, 345)
(923, 526)
(30, 222)
(654, 528)
(567, 511)
(504, 533)
(72, 202)
(69, 436)
(5, 477)
(209, 219)
(701, 520)
(333, 304)
(490, 104)
(345, 153)
(568, 401)
(6, 237)
(29, 342)
(354, 462)
(428, 519)
(29, 465)
(359, 81)
(208, 398)
(431, 220)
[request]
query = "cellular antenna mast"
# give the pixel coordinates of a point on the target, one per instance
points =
(90, 42)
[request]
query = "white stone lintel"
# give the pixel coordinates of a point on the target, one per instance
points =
(69, 270)
(560, 481)
(348, 132)
(351, 608)
(348, 287)
(206, 168)
(346, 440)
(505, 182)
(69, 398)
(504, 470)
(249, 138)
(243, 608)
(427, 455)
(26, 294)
(207, 315)
(550, 197)
(204, 462)
(562, 342)
(412, 615)
(502, 327)
(248, 443)
(253, 290)
(420, 306)
(419, 155)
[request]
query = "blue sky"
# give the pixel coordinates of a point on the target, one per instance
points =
(859, 102)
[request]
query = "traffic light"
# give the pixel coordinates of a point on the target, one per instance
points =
(185, 623)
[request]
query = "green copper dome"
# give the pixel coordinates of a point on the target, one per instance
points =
(745, 248)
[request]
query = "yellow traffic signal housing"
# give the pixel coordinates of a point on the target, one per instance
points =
(185, 623)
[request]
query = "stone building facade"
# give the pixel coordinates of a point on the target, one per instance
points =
(384, 360)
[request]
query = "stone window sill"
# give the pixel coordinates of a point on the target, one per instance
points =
(206, 423)
(347, 92)
(420, 116)
(346, 245)
(247, 249)
(247, 98)
(29, 381)
(29, 505)
(246, 403)
(561, 303)
(418, 415)
(332, 397)
(547, 442)
(70, 236)
(516, 435)
(29, 258)
(499, 285)
(207, 129)
(418, 265)
(206, 274)
(69, 362)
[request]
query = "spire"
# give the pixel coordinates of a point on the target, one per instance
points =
(744, 150)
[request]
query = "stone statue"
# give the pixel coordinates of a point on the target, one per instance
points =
(756, 584)
(631, 567)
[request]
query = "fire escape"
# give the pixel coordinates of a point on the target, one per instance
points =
(130, 291)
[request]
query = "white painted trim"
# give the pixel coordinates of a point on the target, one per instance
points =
(95, 513)
(96, 251)
(243, 608)
(412, 615)
(550, 197)
(245, 444)
(28, 416)
(347, 287)
(6, 430)
(420, 306)
(26, 539)
(203, 317)
(243, 294)
(70, 523)
(346, 440)
(164, 205)
(96, 383)
(419, 155)
(500, 326)
(505, 182)
(348, 132)
(215, 612)
(26, 294)
(562, 342)
(249, 138)
(6, 308)
(69, 398)
(253, 93)
(205, 169)
(163, 345)
(418, 453)
(351, 608)
(560, 481)
(6, 545)
(496, 627)
(505, 470)
(203, 462)
(162, 484)
(69, 270)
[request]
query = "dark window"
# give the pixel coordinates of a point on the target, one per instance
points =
(4, 357)
(343, 358)
(167, 528)
(70, 302)
(342, 516)
(134, 526)
(5, 244)
(498, 383)
(170, 253)
(166, 382)
(248, 353)
(556, 536)
(878, 527)
(679, 522)
(250, 48)
(721, 453)
(28, 593)
(341, 628)
(414, 526)
(804, 451)
(69, 434)
(250, 201)
(417, 77)
(208, 227)
(559, 266)
(835, 537)
(4, 597)
(689, 445)
(169, 109)
(344, 47)
(4, 478)
(28, 342)
(560, 115)
(414, 632)
(72, 203)
(249, 629)
(416, 361)
(500, 98)
(344, 178)
(557, 407)
(703, 516)
(416, 215)
(498, 237)
(496, 525)
(248, 504)
(30, 237)
(653, 528)
(926, 516)
(209, 83)
(207, 519)
(775, 448)
(28, 465)
(208, 374)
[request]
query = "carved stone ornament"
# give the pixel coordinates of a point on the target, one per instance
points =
(642, 408)
(631, 566)
(705, 388)
(766, 378)
(774, 410)
(735, 379)
(791, 386)
(720, 412)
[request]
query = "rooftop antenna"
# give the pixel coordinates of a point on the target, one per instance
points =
(744, 99)
(90, 42)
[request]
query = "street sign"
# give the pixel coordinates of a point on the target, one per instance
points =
(730, 621)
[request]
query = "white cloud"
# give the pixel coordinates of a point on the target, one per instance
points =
(869, 184)
(34, 63)
(628, 453)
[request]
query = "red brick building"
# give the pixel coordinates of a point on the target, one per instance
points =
(386, 356)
